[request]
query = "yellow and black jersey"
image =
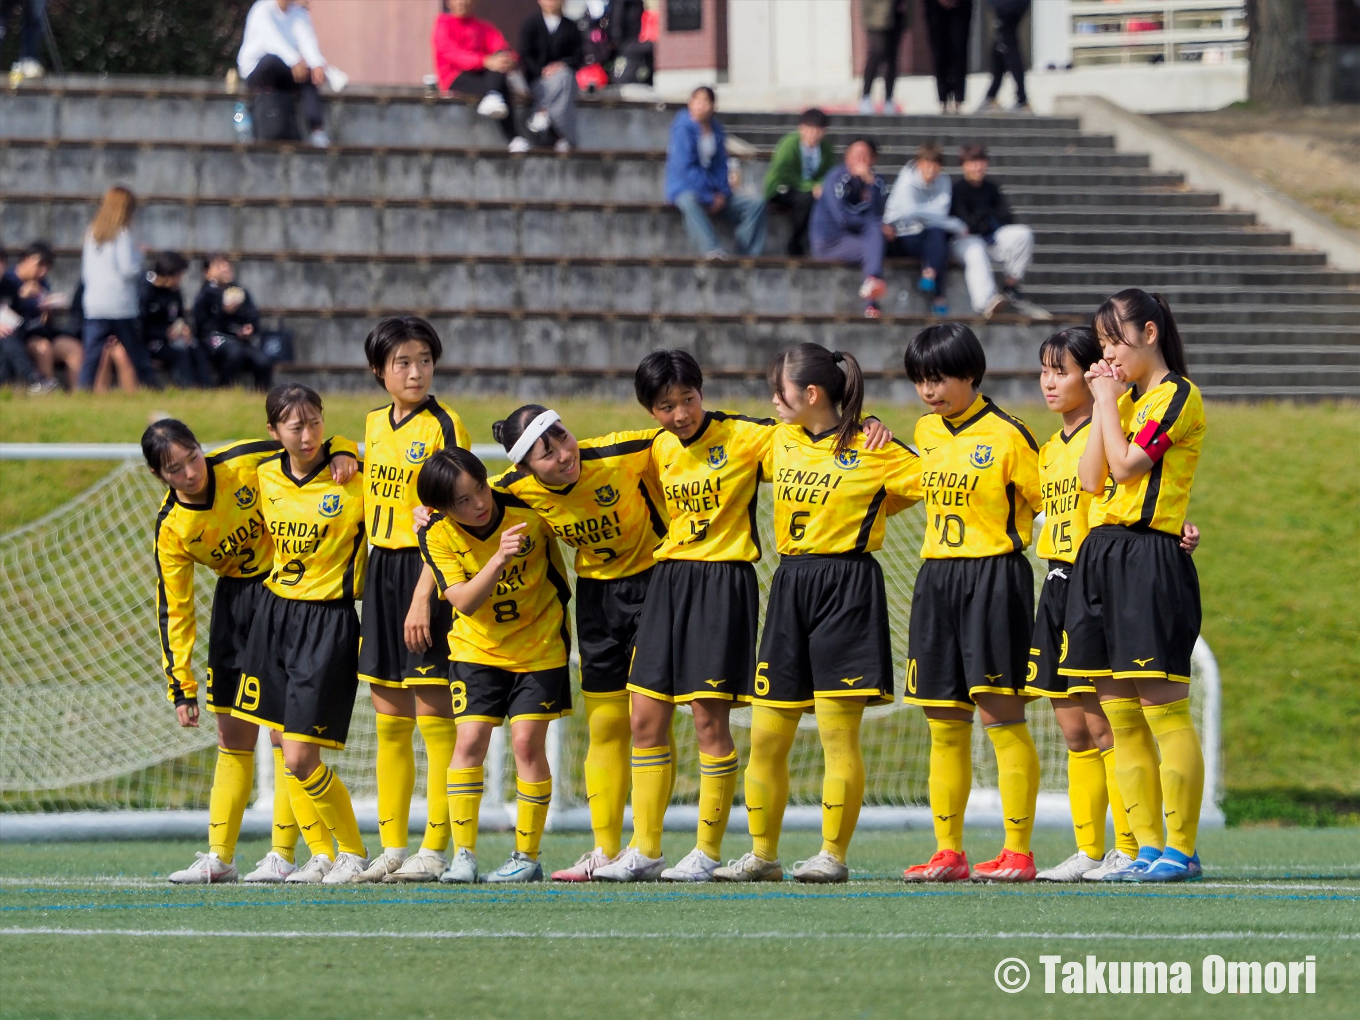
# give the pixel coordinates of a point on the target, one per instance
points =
(523, 626)
(710, 484)
(608, 515)
(828, 502)
(979, 482)
(320, 551)
(1067, 506)
(393, 455)
(1167, 423)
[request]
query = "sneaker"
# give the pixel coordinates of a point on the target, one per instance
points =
(424, 866)
(866, 105)
(631, 866)
(42, 387)
(462, 870)
(1115, 861)
(348, 869)
(1071, 870)
(383, 865)
(988, 105)
(940, 308)
(518, 144)
(318, 139)
(493, 105)
(695, 866)
(1021, 108)
(561, 145)
(750, 868)
(873, 312)
(821, 868)
(1147, 856)
(207, 869)
(312, 873)
(872, 289)
(584, 868)
(1009, 866)
(30, 68)
(1172, 866)
(926, 285)
(716, 255)
(944, 866)
(517, 868)
(271, 870)
(998, 303)
(540, 122)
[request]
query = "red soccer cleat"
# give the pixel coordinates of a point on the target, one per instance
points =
(945, 866)
(1009, 866)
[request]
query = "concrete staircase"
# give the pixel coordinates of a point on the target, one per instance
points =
(553, 273)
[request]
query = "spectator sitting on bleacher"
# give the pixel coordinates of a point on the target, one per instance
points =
(45, 343)
(279, 52)
(847, 222)
(550, 51)
(16, 367)
(472, 57)
(228, 326)
(168, 336)
(697, 182)
(793, 184)
(918, 213)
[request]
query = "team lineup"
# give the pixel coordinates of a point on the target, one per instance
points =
(465, 593)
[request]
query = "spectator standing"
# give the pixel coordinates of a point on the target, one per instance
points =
(697, 182)
(33, 301)
(793, 184)
(993, 235)
(847, 223)
(947, 24)
(472, 57)
(918, 215)
(279, 53)
(884, 23)
(1006, 56)
(550, 52)
(228, 326)
(168, 336)
(110, 268)
(34, 14)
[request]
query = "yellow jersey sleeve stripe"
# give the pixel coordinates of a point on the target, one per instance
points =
(439, 578)
(1018, 425)
(175, 690)
(866, 526)
(1012, 532)
(348, 583)
(751, 510)
(629, 446)
(654, 515)
(1154, 483)
(563, 590)
(250, 448)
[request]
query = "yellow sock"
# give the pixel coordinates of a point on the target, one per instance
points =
(1124, 841)
(653, 775)
(464, 791)
(232, 780)
(396, 776)
(717, 785)
(285, 830)
(607, 766)
(767, 776)
(440, 735)
(332, 802)
(1182, 772)
(843, 782)
(531, 812)
(1086, 794)
(1136, 764)
(951, 779)
(1017, 767)
(316, 832)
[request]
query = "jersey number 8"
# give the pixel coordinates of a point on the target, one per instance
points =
(505, 611)
(458, 690)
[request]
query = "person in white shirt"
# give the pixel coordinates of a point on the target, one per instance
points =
(280, 53)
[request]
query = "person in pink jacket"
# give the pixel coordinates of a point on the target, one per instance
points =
(471, 56)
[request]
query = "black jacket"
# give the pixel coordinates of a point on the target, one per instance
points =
(210, 317)
(983, 208)
(161, 306)
(538, 49)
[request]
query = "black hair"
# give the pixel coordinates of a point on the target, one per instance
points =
(41, 249)
(661, 370)
(160, 437)
(1078, 341)
(508, 430)
(286, 398)
(813, 117)
(214, 256)
(1139, 307)
(949, 350)
(813, 365)
(393, 331)
(712, 97)
(169, 263)
(438, 478)
(873, 145)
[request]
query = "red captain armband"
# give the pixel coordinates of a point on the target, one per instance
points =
(1151, 442)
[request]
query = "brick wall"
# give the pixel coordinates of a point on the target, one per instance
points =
(678, 51)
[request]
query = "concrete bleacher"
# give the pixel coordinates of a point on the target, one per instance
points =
(559, 272)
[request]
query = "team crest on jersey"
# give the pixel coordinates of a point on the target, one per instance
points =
(717, 457)
(606, 495)
(981, 457)
(525, 548)
(1141, 417)
(245, 497)
(848, 459)
(330, 505)
(415, 453)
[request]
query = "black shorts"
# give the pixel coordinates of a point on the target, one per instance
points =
(233, 610)
(697, 634)
(826, 633)
(1133, 609)
(607, 614)
(301, 669)
(491, 694)
(384, 658)
(971, 621)
(1046, 646)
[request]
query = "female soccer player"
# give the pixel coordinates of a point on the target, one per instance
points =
(826, 646)
(594, 495)
(972, 609)
(403, 643)
(211, 515)
(495, 561)
(300, 670)
(1133, 605)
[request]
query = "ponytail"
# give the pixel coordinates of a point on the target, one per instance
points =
(836, 372)
(1136, 307)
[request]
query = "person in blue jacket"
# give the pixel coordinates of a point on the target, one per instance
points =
(847, 222)
(697, 184)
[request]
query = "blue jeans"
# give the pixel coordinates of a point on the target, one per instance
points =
(746, 213)
(128, 332)
(931, 246)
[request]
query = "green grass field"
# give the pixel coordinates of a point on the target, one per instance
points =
(91, 930)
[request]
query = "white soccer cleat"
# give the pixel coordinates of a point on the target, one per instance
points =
(1115, 862)
(383, 865)
(207, 869)
(348, 869)
(313, 872)
(750, 868)
(271, 870)
(493, 105)
(518, 867)
(695, 866)
(821, 868)
(425, 866)
(462, 870)
(631, 866)
(584, 868)
(1070, 870)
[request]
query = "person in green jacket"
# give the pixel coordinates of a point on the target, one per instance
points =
(794, 181)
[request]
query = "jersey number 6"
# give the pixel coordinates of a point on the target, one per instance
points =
(762, 681)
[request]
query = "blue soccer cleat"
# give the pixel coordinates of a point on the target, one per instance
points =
(1147, 856)
(1173, 866)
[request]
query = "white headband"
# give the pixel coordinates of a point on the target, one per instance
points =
(532, 434)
